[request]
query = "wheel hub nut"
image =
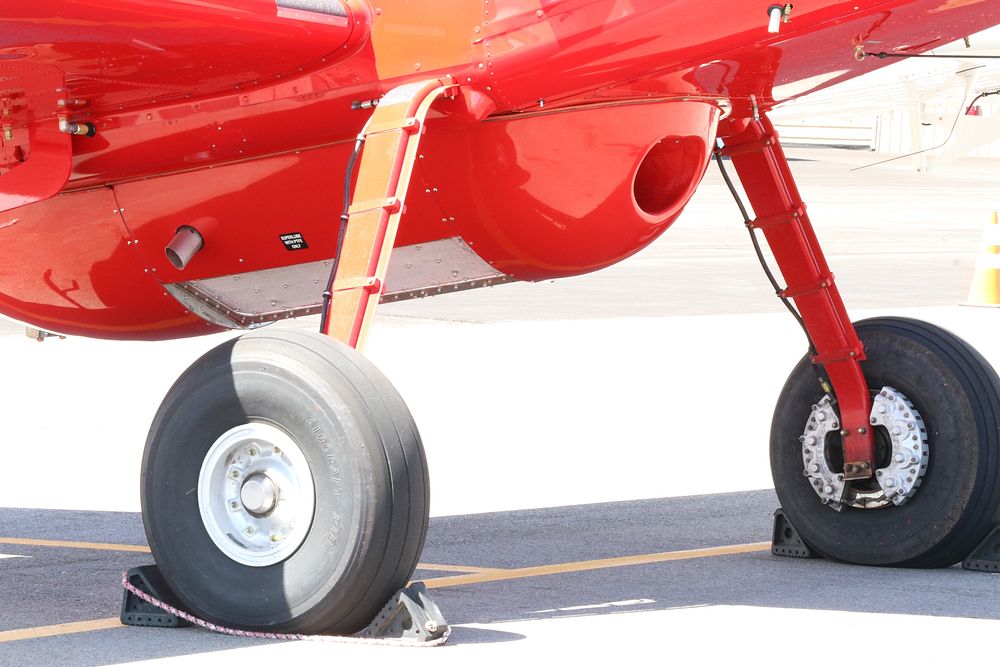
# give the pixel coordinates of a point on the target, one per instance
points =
(259, 494)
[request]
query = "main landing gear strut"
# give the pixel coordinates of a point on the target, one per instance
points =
(284, 484)
(885, 442)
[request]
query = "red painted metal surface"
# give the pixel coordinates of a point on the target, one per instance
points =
(781, 215)
(70, 266)
(35, 157)
(632, 57)
(241, 210)
(532, 216)
(559, 194)
(237, 114)
(139, 53)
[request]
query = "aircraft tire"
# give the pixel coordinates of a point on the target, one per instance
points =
(957, 393)
(337, 514)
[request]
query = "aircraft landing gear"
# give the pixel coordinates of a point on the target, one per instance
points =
(284, 483)
(284, 486)
(885, 442)
(936, 490)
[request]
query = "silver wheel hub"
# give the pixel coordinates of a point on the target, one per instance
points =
(895, 483)
(256, 495)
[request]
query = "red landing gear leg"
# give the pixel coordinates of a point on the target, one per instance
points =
(781, 216)
(391, 139)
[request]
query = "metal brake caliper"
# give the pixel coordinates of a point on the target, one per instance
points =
(908, 463)
(827, 484)
(896, 482)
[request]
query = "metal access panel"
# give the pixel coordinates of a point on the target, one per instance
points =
(253, 299)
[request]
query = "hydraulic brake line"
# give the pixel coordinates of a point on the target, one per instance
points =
(760, 254)
(344, 217)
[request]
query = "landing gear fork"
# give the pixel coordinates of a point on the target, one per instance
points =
(758, 159)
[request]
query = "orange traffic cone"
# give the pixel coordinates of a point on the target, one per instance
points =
(985, 287)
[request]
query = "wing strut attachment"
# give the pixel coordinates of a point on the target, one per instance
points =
(391, 139)
(763, 169)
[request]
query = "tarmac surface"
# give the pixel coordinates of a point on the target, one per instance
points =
(598, 451)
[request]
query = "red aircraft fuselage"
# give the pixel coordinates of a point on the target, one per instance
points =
(581, 130)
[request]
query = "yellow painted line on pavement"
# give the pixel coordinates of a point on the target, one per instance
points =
(468, 569)
(102, 546)
(586, 565)
(61, 544)
(136, 548)
(60, 629)
(470, 574)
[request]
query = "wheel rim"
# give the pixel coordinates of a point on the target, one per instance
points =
(255, 494)
(906, 460)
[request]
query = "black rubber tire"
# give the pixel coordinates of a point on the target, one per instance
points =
(957, 393)
(367, 531)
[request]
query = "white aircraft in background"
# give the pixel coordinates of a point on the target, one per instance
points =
(931, 111)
